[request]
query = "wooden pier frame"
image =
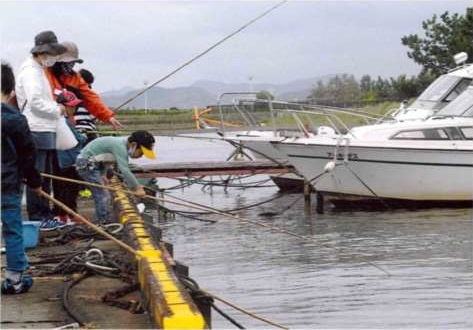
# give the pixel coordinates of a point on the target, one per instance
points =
(197, 169)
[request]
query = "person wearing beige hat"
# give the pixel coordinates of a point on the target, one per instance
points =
(63, 76)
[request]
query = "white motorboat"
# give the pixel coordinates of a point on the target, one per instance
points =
(435, 97)
(408, 162)
(260, 141)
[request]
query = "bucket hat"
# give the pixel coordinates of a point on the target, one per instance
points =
(46, 42)
(71, 54)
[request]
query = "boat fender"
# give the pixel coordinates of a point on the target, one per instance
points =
(329, 167)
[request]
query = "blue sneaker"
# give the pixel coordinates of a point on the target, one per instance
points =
(22, 286)
(52, 224)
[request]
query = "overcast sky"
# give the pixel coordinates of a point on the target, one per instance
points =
(125, 43)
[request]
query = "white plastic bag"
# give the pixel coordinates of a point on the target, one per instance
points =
(65, 139)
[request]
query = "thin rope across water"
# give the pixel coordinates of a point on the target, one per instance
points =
(219, 212)
(202, 53)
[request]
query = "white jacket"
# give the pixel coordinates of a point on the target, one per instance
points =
(33, 87)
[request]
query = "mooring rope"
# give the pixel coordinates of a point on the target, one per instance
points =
(253, 315)
(192, 285)
(216, 211)
(202, 53)
(367, 187)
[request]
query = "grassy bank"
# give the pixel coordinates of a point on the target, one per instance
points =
(170, 121)
(155, 121)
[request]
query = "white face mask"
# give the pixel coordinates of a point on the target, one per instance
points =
(49, 61)
(131, 150)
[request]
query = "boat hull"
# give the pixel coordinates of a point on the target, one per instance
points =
(368, 203)
(416, 174)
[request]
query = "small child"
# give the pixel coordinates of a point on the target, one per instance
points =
(18, 160)
(103, 152)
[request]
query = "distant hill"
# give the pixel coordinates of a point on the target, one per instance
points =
(161, 98)
(205, 92)
(297, 89)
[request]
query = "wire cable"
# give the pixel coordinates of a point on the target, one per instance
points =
(205, 208)
(202, 53)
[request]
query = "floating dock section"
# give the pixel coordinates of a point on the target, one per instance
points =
(167, 301)
(196, 169)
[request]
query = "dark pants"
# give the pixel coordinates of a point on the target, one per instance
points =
(38, 207)
(12, 231)
(65, 192)
(45, 143)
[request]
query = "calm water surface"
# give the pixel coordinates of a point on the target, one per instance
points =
(324, 283)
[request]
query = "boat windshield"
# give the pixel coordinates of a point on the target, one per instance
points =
(437, 91)
(461, 106)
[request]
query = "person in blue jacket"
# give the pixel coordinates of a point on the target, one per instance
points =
(18, 163)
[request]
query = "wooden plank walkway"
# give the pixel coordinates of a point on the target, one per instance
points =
(197, 169)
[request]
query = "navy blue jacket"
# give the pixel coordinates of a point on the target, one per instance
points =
(18, 152)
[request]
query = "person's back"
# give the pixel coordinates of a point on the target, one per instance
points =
(106, 149)
(109, 150)
(14, 165)
(18, 163)
(85, 123)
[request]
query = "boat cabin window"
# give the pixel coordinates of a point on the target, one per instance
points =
(459, 88)
(438, 90)
(422, 134)
(462, 106)
(467, 132)
(454, 133)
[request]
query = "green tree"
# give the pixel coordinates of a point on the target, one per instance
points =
(444, 38)
(319, 91)
(424, 79)
(403, 87)
(382, 88)
(349, 89)
(366, 84)
(264, 95)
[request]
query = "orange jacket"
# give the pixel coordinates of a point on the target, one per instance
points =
(91, 101)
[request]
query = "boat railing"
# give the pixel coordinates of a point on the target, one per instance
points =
(244, 114)
(389, 115)
(243, 101)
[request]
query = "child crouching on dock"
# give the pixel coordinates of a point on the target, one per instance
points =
(104, 152)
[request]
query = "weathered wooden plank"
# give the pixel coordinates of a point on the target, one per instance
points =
(193, 169)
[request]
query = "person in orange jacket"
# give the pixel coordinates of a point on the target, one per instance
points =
(63, 79)
(62, 76)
